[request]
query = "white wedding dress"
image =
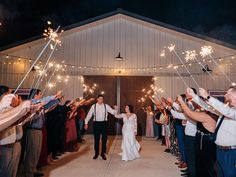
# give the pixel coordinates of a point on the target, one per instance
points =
(130, 146)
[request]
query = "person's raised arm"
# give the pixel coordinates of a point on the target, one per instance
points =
(110, 110)
(198, 116)
(156, 102)
(199, 101)
(178, 115)
(222, 108)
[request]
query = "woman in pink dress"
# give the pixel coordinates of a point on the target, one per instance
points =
(149, 122)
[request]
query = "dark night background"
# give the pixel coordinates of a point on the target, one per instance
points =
(22, 19)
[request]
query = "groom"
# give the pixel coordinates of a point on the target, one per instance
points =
(99, 111)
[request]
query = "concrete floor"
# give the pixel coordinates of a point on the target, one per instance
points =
(153, 162)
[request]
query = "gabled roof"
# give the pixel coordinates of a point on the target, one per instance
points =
(130, 14)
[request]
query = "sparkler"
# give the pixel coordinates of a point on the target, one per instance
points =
(191, 56)
(172, 49)
(51, 37)
(151, 92)
(207, 51)
(57, 67)
(44, 71)
(175, 68)
(162, 53)
(50, 85)
(47, 65)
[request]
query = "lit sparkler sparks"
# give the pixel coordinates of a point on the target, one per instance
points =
(163, 53)
(154, 78)
(50, 65)
(59, 77)
(51, 85)
(53, 35)
(190, 55)
(171, 47)
(143, 99)
(206, 50)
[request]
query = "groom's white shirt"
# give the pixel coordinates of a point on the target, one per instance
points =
(100, 113)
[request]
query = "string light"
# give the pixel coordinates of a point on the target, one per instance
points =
(51, 85)
(108, 69)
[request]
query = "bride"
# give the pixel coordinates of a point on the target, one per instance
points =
(130, 146)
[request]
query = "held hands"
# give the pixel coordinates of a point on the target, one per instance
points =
(190, 92)
(15, 101)
(116, 107)
(203, 93)
(169, 100)
(86, 126)
(36, 107)
(180, 99)
(163, 103)
(58, 95)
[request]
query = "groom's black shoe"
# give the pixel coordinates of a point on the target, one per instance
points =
(103, 157)
(95, 156)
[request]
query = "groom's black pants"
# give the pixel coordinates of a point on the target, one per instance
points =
(100, 128)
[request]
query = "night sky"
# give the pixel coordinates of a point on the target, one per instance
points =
(22, 19)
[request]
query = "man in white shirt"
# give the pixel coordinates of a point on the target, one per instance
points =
(225, 131)
(99, 111)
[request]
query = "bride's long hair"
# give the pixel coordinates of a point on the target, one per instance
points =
(131, 110)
